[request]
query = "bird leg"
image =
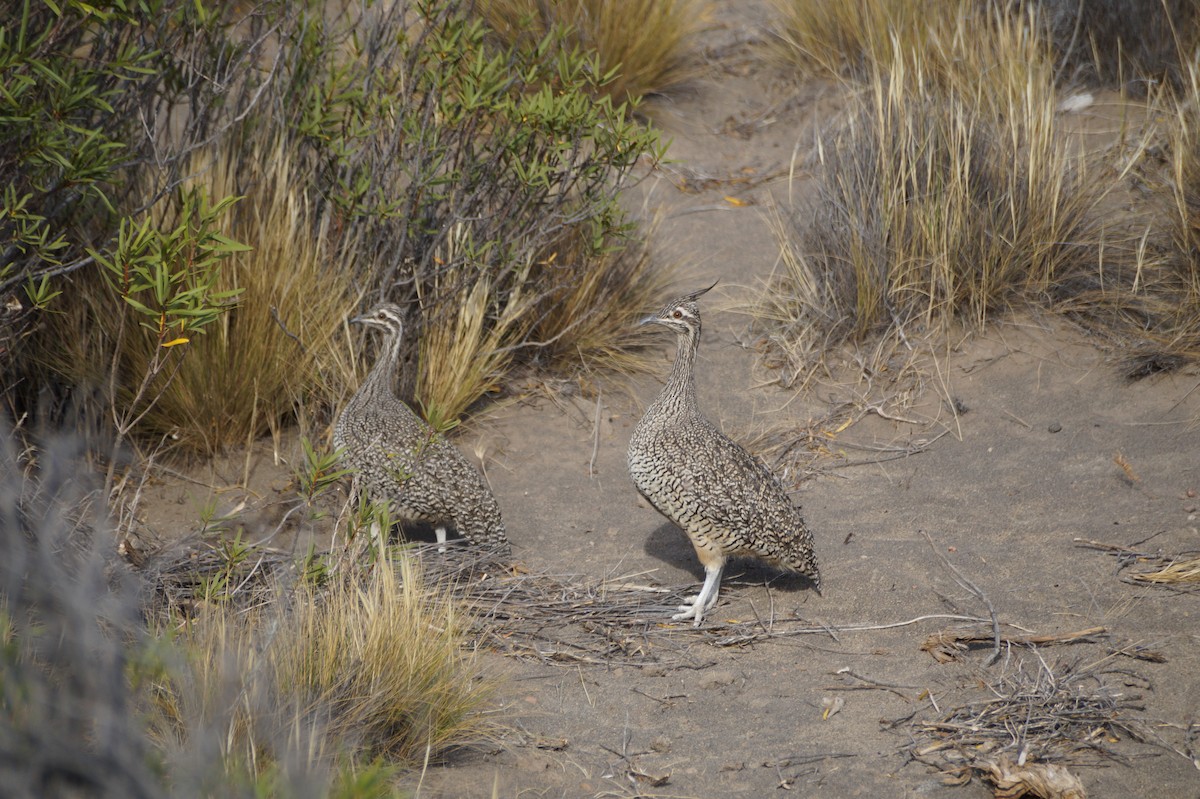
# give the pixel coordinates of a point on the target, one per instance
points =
(440, 532)
(704, 601)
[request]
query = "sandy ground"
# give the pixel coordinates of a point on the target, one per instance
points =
(975, 491)
(998, 494)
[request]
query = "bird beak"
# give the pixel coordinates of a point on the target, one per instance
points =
(357, 320)
(647, 320)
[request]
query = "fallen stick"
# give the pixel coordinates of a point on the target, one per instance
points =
(943, 644)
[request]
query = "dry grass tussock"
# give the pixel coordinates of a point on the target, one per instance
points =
(951, 189)
(260, 365)
(646, 45)
(371, 666)
(945, 192)
(846, 39)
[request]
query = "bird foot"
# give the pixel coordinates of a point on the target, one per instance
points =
(693, 611)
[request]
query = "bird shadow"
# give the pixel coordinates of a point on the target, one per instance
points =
(419, 533)
(670, 545)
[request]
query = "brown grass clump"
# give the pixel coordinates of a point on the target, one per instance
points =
(256, 367)
(644, 44)
(846, 39)
(362, 668)
(946, 192)
(280, 347)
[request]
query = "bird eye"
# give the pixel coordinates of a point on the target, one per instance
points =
(678, 314)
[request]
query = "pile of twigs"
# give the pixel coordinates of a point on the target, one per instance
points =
(562, 619)
(1036, 711)
(199, 571)
(550, 618)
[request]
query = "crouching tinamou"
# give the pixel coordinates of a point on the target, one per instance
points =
(728, 502)
(402, 461)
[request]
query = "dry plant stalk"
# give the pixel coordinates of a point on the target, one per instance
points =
(1127, 468)
(1181, 571)
(948, 645)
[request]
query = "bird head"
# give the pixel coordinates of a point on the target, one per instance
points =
(387, 317)
(681, 314)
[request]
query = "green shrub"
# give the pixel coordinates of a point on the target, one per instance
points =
(384, 151)
(463, 175)
(86, 137)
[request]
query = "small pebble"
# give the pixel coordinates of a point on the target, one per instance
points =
(1054, 427)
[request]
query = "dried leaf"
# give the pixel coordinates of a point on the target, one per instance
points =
(1041, 780)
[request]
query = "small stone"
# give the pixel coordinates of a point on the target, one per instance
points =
(1055, 427)
(661, 744)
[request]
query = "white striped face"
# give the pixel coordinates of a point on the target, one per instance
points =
(387, 317)
(680, 317)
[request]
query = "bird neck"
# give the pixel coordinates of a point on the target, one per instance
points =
(381, 378)
(680, 389)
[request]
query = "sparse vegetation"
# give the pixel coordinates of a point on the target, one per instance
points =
(368, 667)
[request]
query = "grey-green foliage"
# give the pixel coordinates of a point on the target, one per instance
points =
(441, 151)
(80, 673)
(99, 105)
(68, 716)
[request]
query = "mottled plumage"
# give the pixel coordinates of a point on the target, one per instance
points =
(728, 502)
(400, 460)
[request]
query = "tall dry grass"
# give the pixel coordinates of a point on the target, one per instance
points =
(263, 363)
(364, 668)
(848, 39)
(946, 191)
(646, 45)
